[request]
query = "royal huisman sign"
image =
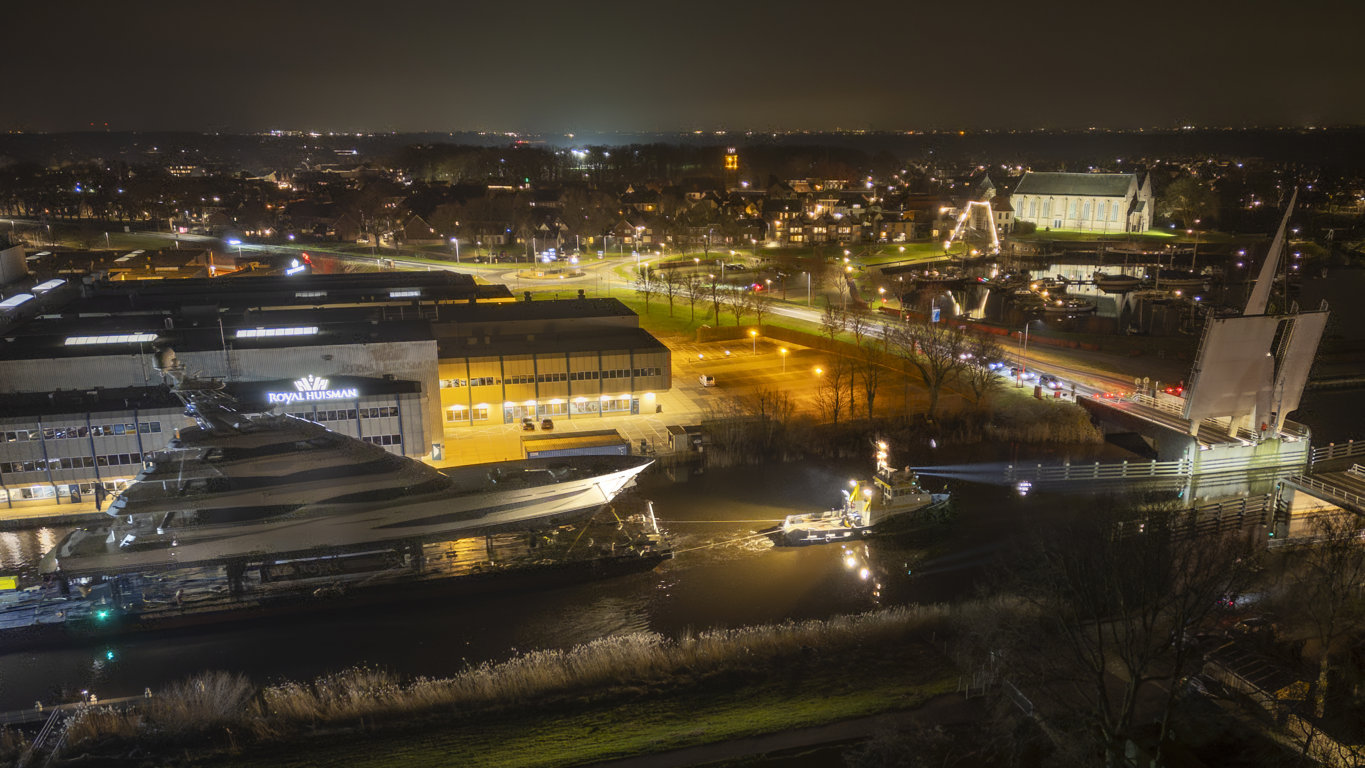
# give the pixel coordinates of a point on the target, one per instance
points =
(312, 388)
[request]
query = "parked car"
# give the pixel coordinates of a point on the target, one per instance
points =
(547, 423)
(528, 424)
(707, 381)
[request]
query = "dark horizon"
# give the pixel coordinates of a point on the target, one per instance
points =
(546, 68)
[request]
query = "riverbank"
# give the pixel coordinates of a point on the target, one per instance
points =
(615, 697)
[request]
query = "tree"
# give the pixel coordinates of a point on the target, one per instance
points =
(871, 363)
(738, 302)
(694, 290)
(673, 283)
(982, 349)
(833, 320)
(859, 324)
(834, 393)
(1188, 199)
(934, 350)
(1112, 593)
(760, 302)
(715, 299)
(771, 410)
(646, 286)
(1327, 585)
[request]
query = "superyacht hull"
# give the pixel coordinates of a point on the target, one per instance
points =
(477, 507)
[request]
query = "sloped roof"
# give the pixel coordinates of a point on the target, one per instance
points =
(1084, 184)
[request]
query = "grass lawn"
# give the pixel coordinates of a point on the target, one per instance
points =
(798, 694)
(885, 254)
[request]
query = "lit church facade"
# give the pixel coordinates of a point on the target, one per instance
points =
(1094, 202)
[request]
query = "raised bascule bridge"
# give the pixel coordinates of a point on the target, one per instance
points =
(1225, 447)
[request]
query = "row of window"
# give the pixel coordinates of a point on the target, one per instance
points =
(96, 430)
(347, 414)
(1105, 210)
(75, 462)
(383, 439)
(613, 373)
(461, 413)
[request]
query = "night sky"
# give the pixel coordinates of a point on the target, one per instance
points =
(604, 66)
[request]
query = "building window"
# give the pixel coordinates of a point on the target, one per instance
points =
(1047, 208)
(616, 404)
(1114, 213)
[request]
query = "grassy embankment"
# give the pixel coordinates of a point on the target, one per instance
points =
(617, 696)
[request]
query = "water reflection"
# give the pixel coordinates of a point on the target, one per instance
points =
(20, 551)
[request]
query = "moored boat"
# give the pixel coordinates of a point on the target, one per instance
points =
(1116, 283)
(1069, 306)
(1179, 278)
(244, 487)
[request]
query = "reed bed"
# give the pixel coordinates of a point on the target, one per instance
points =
(221, 703)
(12, 745)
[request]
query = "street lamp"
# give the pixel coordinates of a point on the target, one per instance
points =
(1194, 254)
(783, 352)
(455, 241)
(881, 293)
(1023, 357)
(753, 336)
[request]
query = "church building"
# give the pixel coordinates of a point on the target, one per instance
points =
(1094, 202)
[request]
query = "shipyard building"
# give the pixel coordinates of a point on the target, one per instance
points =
(403, 360)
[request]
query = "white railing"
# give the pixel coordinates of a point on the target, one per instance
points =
(1126, 470)
(1339, 494)
(1338, 451)
(1161, 404)
(1154, 470)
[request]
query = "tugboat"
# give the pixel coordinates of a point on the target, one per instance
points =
(893, 493)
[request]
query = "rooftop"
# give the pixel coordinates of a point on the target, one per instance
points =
(1083, 184)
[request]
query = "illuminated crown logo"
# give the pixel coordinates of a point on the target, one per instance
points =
(310, 383)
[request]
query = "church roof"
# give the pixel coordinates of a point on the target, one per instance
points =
(1081, 184)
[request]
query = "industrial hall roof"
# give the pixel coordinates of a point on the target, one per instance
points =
(1076, 184)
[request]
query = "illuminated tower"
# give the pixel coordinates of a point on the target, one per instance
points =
(731, 168)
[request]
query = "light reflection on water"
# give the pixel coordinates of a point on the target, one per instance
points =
(20, 551)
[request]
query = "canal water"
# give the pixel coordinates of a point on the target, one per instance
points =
(722, 576)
